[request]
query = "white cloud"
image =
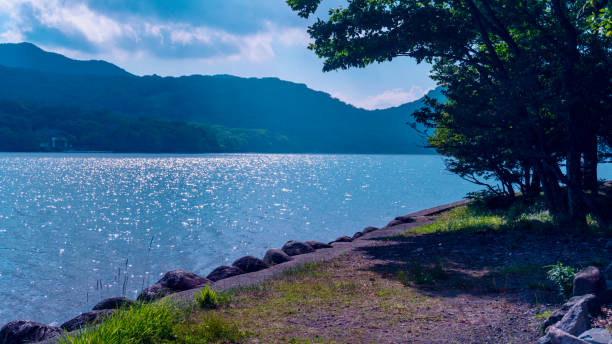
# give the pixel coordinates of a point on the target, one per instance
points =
(386, 99)
(138, 36)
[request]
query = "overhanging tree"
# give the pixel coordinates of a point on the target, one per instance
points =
(528, 82)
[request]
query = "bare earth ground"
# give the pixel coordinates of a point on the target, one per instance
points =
(452, 287)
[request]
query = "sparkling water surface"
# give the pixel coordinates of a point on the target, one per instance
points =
(76, 228)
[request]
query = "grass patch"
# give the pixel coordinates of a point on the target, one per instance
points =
(477, 218)
(543, 316)
(459, 219)
(209, 327)
(143, 323)
(160, 322)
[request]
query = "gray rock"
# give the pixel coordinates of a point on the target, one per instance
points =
(179, 280)
(558, 336)
(317, 245)
(26, 331)
(114, 303)
(87, 318)
(172, 282)
(400, 220)
(154, 292)
(275, 256)
(369, 229)
(590, 300)
(576, 320)
(590, 280)
(343, 239)
(597, 336)
(544, 339)
(250, 264)
(357, 235)
(294, 248)
(394, 223)
(223, 272)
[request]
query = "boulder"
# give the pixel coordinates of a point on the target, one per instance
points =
(576, 320)
(223, 272)
(172, 282)
(342, 239)
(114, 303)
(275, 256)
(153, 292)
(26, 331)
(179, 280)
(401, 220)
(294, 248)
(357, 235)
(317, 244)
(597, 336)
(394, 223)
(250, 264)
(87, 318)
(369, 229)
(590, 280)
(589, 300)
(558, 336)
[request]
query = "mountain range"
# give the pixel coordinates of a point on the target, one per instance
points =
(96, 105)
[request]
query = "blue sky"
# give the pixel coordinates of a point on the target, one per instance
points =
(250, 38)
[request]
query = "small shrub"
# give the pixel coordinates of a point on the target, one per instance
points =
(562, 277)
(211, 299)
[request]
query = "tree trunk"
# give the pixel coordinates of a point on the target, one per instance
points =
(590, 163)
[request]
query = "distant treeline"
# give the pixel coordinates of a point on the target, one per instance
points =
(30, 127)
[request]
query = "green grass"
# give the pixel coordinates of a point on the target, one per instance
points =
(143, 323)
(209, 298)
(460, 219)
(475, 218)
(543, 316)
(159, 322)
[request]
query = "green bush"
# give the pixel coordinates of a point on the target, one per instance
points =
(207, 298)
(562, 277)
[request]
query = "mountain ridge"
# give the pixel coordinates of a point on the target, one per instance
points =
(313, 121)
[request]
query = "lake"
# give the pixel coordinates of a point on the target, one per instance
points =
(76, 228)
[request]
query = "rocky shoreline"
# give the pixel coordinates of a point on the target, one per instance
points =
(248, 270)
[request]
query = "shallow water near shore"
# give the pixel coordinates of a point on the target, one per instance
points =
(76, 228)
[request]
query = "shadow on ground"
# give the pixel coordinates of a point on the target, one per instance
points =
(486, 262)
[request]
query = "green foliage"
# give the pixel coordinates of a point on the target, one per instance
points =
(207, 298)
(562, 277)
(161, 322)
(23, 127)
(526, 83)
(144, 323)
(210, 298)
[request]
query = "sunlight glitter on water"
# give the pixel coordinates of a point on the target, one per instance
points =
(70, 223)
